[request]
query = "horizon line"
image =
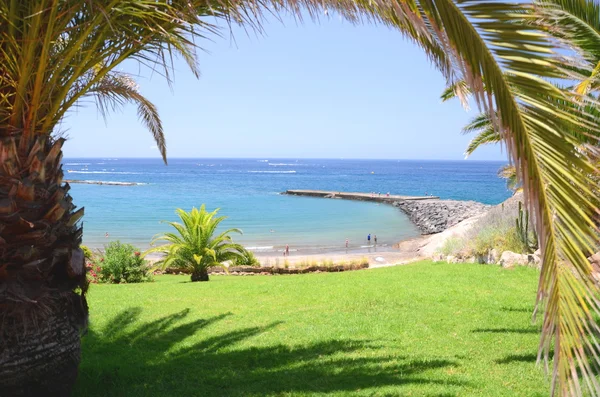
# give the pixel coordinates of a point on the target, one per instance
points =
(277, 158)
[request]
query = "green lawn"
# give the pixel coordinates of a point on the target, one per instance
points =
(421, 329)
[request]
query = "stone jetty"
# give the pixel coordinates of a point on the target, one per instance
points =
(377, 197)
(435, 216)
(429, 213)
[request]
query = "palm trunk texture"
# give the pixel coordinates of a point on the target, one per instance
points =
(200, 275)
(43, 310)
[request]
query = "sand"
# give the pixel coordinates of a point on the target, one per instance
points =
(378, 257)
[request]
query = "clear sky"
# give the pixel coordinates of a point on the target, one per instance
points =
(320, 90)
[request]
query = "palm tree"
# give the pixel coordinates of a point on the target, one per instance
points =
(54, 52)
(53, 55)
(195, 247)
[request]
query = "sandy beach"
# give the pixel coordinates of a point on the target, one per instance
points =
(377, 257)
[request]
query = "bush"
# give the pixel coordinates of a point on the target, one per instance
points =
(93, 272)
(494, 230)
(452, 246)
(87, 253)
(122, 263)
(247, 259)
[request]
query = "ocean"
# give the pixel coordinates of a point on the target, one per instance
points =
(247, 191)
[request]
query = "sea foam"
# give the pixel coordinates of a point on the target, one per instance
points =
(273, 172)
(104, 172)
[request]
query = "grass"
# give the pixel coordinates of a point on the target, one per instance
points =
(417, 330)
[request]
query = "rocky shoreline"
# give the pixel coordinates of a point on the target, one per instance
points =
(435, 216)
(430, 214)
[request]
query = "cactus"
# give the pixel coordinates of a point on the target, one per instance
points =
(528, 239)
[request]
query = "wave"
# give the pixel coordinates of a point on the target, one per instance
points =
(267, 247)
(105, 172)
(263, 161)
(273, 172)
(278, 164)
(116, 183)
(77, 163)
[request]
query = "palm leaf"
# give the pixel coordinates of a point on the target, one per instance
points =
(115, 89)
(486, 132)
(460, 90)
(497, 41)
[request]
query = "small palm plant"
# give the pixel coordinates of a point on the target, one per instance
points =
(194, 247)
(247, 259)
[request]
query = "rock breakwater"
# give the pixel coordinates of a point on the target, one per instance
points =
(435, 216)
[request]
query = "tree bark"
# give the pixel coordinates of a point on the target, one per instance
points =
(42, 360)
(42, 273)
(200, 275)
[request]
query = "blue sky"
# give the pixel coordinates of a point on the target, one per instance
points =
(312, 90)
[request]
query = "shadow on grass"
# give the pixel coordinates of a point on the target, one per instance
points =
(508, 330)
(523, 358)
(518, 309)
(167, 357)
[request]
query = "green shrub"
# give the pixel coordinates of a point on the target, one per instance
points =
(122, 263)
(247, 259)
(511, 241)
(499, 238)
(497, 230)
(87, 253)
(452, 246)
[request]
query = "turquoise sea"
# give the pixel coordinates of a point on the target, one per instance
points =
(247, 191)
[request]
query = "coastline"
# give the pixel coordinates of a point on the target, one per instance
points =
(252, 202)
(430, 215)
(376, 256)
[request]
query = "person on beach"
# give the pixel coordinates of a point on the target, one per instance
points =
(287, 250)
(369, 238)
(106, 234)
(375, 239)
(346, 243)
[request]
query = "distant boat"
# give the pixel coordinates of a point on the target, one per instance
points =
(372, 172)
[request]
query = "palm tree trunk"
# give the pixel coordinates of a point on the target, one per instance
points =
(200, 275)
(42, 274)
(43, 360)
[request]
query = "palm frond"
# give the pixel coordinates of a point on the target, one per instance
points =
(460, 90)
(509, 172)
(487, 133)
(495, 41)
(114, 90)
